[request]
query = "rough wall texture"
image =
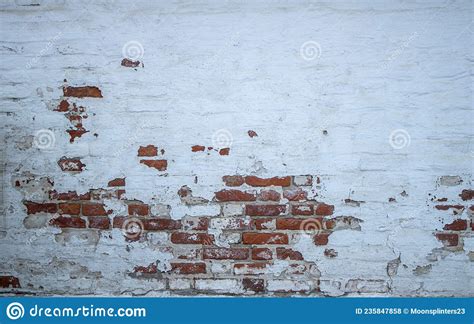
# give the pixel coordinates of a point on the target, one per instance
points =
(236, 148)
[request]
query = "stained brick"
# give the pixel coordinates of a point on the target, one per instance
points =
(233, 181)
(302, 210)
(255, 285)
(234, 195)
(188, 268)
(262, 254)
(225, 253)
(265, 210)
(269, 195)
(192, 238)
(99, 222)
(264, 238)
(72, 222)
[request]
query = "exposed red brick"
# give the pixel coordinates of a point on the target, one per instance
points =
(297, 194)
(264, 223)
(252, 133)
(70, 195)
(160, 165)
(250, 268)
(467, 194)
(261, 182)
(225, 253)
(262, 254)
(120, 193)
(269, 195)
(289, 223)
(197, 148)
(150, 269)
(302, 210)
(233, 181)
(265, 210)
(234, 195)
(188, 268)
(447, 207)
(188, 238)
(9, 282)
(81, 92)
(117, 182)
(71, 164)
(456, 225)
(264, 238)
(129, 63)
(149, 150)
(448, 239)
(255, 285)
(138, 209)
(69, 208)
(321, 239)
(63, 106)
(323, 209)
(94, 210)
(224, 151)
(73, 222)
(99, 222)
(33, 208)
(76, 133)
(284, 253)
(200, 224)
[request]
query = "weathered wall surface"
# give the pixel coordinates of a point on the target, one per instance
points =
(256, 148)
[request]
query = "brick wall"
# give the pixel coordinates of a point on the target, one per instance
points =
(202, 148)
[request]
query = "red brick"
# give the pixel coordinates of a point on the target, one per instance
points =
(234, 195)
(188, 238)
(289, 223)
(225, 253)
(262, 182)
(447, 207)
(160, 165)
(150, 269)
(295, 194)
(9, 282)
(33, 208)
(72, 222)
(269, 195)
(264, 238)
(224, 151)
(321, 239)
(467, 194)
(63, 106)
(71, 164)
(99, 222)
(197, 148)
(265, 210)
(323, 209)
(129, 63)
(70, 195)
(255, 285)
(250, 268)
(188, 268)
(117, 182)
(196, 224)
(233, 181)
(161, 224)
(76, 133)
(448, 239)
(284, 253)
(138, 209)
(81, 92)
(70, 208)
(149, 150)
(94, 210)
(456, 225)
(302, 210)
(261, 254)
